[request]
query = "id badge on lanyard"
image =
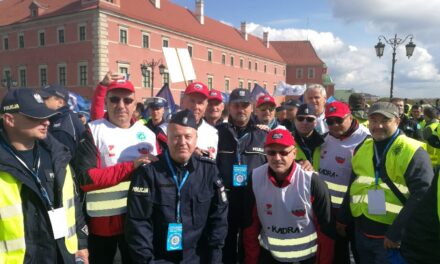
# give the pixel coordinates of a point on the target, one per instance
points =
(239, 171)
(58, 220)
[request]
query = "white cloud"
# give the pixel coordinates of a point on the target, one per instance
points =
(359, 68)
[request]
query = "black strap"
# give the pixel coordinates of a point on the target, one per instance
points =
(384, 177)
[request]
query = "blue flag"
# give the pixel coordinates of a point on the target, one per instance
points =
(257, 92)
(77, 103)
(166, 94)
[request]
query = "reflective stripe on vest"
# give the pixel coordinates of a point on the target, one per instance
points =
(398, 158)
(290, 237)
(432, 151)
(12, 232)
(337, 192)
(109, 201)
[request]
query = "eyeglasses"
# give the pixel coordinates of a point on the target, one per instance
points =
(116, 100)
(264, 108)
(308, 119)
(282, 152)
(335, 120)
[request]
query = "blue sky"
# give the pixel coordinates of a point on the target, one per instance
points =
(344, 33)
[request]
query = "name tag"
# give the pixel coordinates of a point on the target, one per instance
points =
(376, 202)
(174, 237)
(58, 221)
(239, 174)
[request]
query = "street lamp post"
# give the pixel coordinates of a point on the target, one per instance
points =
(394, 43)
(8, 82)
(152, 64)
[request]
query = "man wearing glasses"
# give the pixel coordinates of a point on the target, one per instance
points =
(109, 151)
(265, 112)
(345, 134)
(308, 140)
(285, 201)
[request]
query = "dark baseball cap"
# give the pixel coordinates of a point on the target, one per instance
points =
(306, 109)
(55, 90)
(240, 95)
(27, 102)
(356, 101)
(184, 118)
(386, 109)
(292, 103)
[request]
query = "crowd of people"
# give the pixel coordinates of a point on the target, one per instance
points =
(240, 181)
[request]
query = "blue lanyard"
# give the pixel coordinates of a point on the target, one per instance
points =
(379, 161)
(239, 141)
(179, 186)
(34, 174)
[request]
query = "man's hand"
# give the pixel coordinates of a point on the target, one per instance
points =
(305, 165)
(83, 254)
(340, 229)
(202, 152)
(144, 159)
(110, 77)
(263, 127)
(389, 244)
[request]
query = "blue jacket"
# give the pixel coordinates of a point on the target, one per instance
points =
(151, 206)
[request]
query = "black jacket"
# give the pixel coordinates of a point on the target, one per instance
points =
(151, 206)
(40, 244)
(410, 127)
(251, 149)
(67, 128)
(421, 237)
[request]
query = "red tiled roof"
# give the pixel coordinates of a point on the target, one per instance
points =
(170, 15)
(177, 18)
(297, 52)
(17, 11)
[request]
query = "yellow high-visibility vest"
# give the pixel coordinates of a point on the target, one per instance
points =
(398, 157)
(12, 233)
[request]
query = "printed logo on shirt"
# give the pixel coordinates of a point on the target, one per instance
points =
(143, 151)
(328, 173)
(141, 136)
(268, 209)
(285, 230)
(339, 160)
(299, 212)
(397, 149)
(257, 149)
(110, 151)
(137, 189)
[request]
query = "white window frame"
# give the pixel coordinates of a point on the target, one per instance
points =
(167, 39)
(39, 40)
(58, 34)
(60, 65)
(142, 40)
(20, 83)
(188, 46)
(21, 34)
(79, 73)
(210, 52)
(79, 31)
(40, 67)
(124, 28)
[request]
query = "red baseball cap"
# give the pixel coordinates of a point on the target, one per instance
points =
(197, 87)
(266, 99)
(121, 84)
(336, 109)
(281, 137)
(215, 95)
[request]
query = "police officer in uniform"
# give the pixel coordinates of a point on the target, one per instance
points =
(157, 124)
(66, 127)
(177, 206)
(240, 151)
(41, 219)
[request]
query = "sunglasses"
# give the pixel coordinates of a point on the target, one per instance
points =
(282, 152)
(270, 108)
(308, 119)
(116, 100)
(334, 120)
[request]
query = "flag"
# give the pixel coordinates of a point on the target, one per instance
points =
(257, 92)
(166, 94)
(288, 89)
(77, 103)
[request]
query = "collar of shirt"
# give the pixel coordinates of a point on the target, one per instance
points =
(286, 180)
